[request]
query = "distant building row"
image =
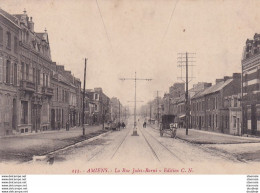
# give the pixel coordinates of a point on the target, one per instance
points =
(231, 105)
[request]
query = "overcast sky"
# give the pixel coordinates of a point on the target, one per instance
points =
(143, 36)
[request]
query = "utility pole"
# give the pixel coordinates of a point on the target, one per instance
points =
(158, 116)
(150, 112)
(135, 79)
(125, 113)
(119, 110)
(184, 58)
(84, 89)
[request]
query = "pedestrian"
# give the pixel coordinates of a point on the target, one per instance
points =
(145, 124)
(123, 125)
(67, 126)
(118, 126)
(174, 130)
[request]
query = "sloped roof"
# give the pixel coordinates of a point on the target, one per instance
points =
(9, 17)
(215, 88)
(40, 35)
(18, 16)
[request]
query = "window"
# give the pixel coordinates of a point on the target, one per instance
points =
(248, 112)
(22, 70)
(38, 77)
(8, 71)
(1, 35)
(8, 40)
(216, 120)
(34, 78)
(15, 74)
(24, 113)
(234, 121)
(1, 70)
(43, 79)
(235, 102)
(96, 97)
(15, 44)
(47, 80)
(27, 71)
(57, 96)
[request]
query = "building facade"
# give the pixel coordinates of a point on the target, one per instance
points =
(66, 100)
(233, 103)
(97, 107)
(208, 108)
(35, 90)
(251, 86)
(9, 73)
(28, 79)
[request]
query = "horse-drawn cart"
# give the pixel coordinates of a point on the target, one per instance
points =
(168, 126)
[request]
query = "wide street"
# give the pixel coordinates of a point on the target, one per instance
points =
(120, 152)
(67, 152)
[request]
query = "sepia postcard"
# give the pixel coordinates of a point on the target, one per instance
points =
(129, 87)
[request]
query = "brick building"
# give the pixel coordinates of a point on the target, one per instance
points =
(9, 74)
(208, 110)
(233, 103)
(66, 100)
(251, 86)
(28, 77)
(97, 107)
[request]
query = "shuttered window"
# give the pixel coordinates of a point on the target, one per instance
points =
(1, 35)
(1, 70)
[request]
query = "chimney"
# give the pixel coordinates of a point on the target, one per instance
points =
(226, 78)
(219, 80)
(31, 25)
(236, 75)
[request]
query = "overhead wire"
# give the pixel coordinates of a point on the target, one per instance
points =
(167, 28)
(104, 25)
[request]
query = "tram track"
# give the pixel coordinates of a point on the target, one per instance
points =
(162, 145)
(120, 144)
(101, 150)
(151, 148)
(205, 149)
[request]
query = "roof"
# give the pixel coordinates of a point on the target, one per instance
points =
(40, 35)
(215, 88)
(18, 16)
(9, 17)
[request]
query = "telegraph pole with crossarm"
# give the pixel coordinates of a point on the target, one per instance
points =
(186, 58)
(135, 80)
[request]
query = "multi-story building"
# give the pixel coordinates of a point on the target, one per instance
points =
(28, 78)
(208, 109)
(251, 86)
(35, 70)
(66, 101)
(233, 103)
(177, 105)
(102, 111)
(116, 112)
(10, 115)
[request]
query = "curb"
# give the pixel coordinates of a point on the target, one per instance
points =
(49, 157)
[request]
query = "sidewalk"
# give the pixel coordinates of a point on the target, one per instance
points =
(23, 147)
(207, 137)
